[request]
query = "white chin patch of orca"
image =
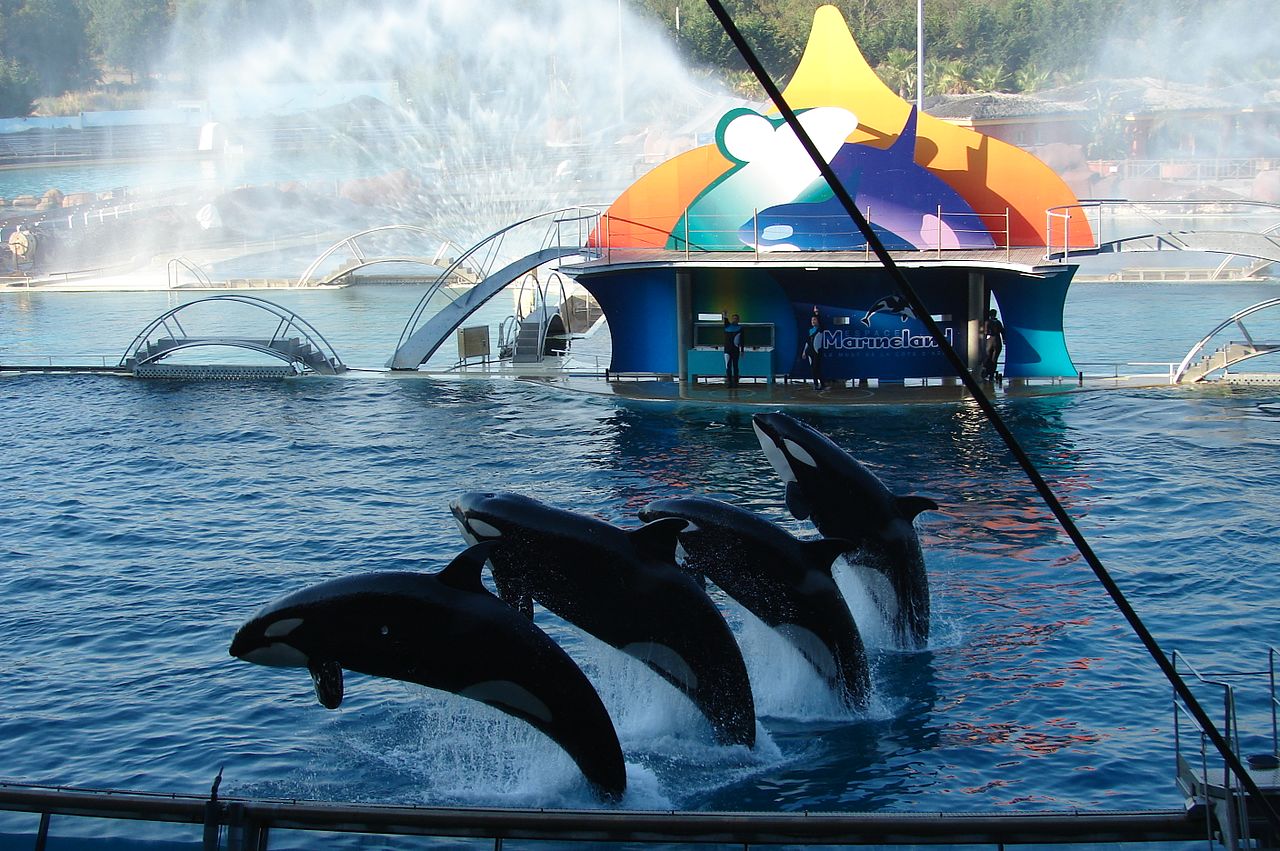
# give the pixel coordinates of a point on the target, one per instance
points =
(811, 647)
(278, 655)
(508, 695)
(799, 453)
(666, 659)
(775, 456)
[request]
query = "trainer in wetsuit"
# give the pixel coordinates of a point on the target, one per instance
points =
(732, 349)
(812, 351)
(993, 338)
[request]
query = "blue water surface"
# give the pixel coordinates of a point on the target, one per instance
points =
(141, 522)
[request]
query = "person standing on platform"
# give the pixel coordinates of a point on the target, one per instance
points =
(812, 351)
(732, 348)
(993, 340)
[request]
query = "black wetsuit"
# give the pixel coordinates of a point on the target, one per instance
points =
(994, 345)
(732, 352)
(813, 353)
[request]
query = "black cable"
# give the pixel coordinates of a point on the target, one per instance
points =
(993, 416)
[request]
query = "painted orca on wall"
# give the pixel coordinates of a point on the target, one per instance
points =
(845, 500)
(445, 631)
(784, 581)
(890, 304)
(624, 588)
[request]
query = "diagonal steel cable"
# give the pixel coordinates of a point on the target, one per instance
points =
(1207, 727)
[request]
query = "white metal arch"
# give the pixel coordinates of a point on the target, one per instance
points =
(292, 339)
(562, 233)
(352, 244)
(1196, 366)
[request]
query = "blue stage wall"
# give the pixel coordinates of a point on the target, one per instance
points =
(1031, 310)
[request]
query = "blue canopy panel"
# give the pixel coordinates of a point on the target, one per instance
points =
(1031, 310)
(640, 306)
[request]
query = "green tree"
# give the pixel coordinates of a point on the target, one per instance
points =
(49, 38)
(989, 78)
(898, 71)
(17, 88)
(129, 34)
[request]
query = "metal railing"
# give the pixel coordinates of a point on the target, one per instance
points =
(1235, 319)
(246, 825)
(1233, 809)
(1113, 220)
(286, 321)
(176, 264)
(570, 227)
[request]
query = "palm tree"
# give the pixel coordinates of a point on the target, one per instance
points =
(946, 77)
(898, 71)
(1030, 78)
(990, 78)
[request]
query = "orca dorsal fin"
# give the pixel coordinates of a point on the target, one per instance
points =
(463, 573)
(906, 140)
(910, 506)
(659, 538)
(796, 503)
(821, 553)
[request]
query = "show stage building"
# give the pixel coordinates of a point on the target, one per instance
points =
(748, 226)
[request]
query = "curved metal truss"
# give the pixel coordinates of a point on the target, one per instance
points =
(538, 239)
(1197, 365)
(289, 338)
(363, 257)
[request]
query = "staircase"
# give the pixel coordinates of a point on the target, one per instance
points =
(1223, 357)
(295, 349)
(528, 342)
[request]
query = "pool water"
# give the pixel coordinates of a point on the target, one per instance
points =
(142, 522)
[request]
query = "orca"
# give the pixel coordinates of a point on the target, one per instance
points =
(844, 499)
(784, 581)
(890, 304)
(623, 587)
(444, 631)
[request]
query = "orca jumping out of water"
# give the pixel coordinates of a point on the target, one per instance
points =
(624, 588)
(784, 581)
(844, 499)
(445, 631)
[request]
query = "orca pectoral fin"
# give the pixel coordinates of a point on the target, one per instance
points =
(910, 506)
(463, 573)
(796, 503)
(659, 538)
(327, 678)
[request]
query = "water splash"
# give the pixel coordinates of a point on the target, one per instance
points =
(468, 115)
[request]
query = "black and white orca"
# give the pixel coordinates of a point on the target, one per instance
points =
(445, 631)
(784, 581)
(890, 304)
(623, 587)
(844, 499)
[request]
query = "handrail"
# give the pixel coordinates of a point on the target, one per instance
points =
(191, 266)
(1221, 267)
(246, 823)
(1185, 364)
(1098, 206)
(351, 242)
(489, 249)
